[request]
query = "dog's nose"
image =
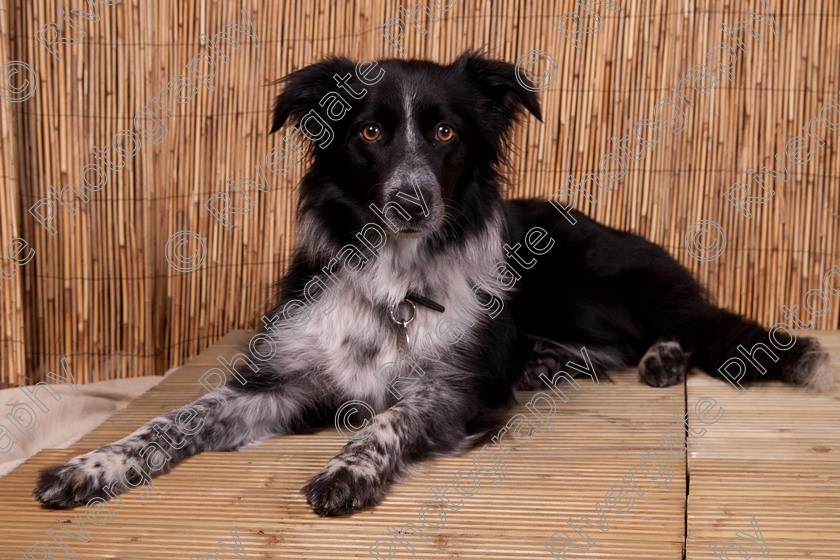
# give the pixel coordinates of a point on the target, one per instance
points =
(415, 211)
(414, 201)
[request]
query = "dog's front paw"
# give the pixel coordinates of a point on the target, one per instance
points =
(69, 485)
(341, 489)
(545, 361)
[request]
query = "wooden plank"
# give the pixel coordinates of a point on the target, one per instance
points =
(601, 433)
(772, 456)
(775, 456)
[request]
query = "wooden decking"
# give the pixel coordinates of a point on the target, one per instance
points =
(772, 459)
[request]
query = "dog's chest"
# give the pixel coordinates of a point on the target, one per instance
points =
(350, 339)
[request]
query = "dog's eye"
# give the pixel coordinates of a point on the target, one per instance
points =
(371, 133)
(445, 133)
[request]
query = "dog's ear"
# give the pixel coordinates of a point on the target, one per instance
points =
(304, 88)
(499, 81)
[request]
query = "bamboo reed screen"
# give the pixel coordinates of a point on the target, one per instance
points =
(101, 293)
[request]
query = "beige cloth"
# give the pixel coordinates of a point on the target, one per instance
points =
(67, 419)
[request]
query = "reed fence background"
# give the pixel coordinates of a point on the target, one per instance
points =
(101, 293)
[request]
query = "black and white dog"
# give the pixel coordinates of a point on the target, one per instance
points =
(417, 289)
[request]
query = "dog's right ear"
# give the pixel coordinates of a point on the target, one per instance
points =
(304, 88)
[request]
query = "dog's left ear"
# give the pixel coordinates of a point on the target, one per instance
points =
(498, 80)
(304, 88)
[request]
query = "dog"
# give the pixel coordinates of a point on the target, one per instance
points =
(403, 227)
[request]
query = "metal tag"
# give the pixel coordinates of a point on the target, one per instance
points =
(402, 313)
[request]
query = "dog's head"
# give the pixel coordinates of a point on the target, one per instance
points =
(419, 141)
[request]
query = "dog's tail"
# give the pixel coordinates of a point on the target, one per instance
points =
(742, 351)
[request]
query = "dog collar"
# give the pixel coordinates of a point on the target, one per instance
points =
(431, 304)
(402, 319)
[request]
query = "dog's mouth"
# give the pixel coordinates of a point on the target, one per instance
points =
(411, 230)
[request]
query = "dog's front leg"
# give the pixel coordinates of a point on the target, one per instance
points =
(230, 418)
(428, 422)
